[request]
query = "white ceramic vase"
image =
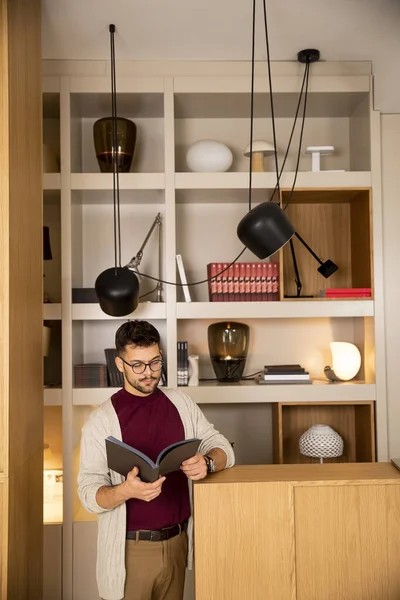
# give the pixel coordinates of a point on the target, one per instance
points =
(209, 156)
(193, 370)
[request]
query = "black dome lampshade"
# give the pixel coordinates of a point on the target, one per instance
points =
(265, 229)
(117, 291)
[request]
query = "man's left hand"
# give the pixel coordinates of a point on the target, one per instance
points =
(195, 468)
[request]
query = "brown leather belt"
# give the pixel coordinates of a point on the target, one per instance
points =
(157, 535)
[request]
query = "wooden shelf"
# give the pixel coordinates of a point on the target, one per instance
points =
(145, 310)
(52, 396)
(250, 392)
(127, 181)
(286, 309)
(51, 311)
(215, 181)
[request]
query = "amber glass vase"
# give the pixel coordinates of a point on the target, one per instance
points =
(228, 343)
(103, 143)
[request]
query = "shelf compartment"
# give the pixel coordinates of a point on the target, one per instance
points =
(250, 392)
(145, 310)
(229, 97)
(354, 421)
(287, 309)
(336, 224)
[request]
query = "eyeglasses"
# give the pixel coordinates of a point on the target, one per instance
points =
(139, 367)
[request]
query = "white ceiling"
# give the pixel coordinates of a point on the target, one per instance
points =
(221, 30)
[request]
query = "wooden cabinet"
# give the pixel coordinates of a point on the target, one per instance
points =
(21, 321)
(305, 532)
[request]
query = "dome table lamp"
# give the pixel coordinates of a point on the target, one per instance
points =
(321, 441)
(258, 150)
(228, 344)
(346, 362)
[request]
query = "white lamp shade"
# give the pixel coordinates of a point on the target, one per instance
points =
(209, 156)
(321, 441)
(346, 359)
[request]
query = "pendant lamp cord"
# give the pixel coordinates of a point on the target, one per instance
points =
(253, 42)
(116, 203)
(271, 98)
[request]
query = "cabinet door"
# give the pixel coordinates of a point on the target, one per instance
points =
(348, 542)
(84, 561)
(52, 562)
(244, 544)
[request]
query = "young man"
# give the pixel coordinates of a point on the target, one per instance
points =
(145, 529)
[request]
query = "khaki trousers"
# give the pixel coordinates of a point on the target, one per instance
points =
(156, 570)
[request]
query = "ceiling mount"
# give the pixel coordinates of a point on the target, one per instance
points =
(308, 56)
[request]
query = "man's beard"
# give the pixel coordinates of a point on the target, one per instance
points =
(145, 389)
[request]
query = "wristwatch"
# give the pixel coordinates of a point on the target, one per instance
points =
(210, 462)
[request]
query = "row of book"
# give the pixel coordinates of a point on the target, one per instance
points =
(243, 282)
(183, 363)
(284, 374)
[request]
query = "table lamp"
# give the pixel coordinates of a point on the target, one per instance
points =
(346, 362)
(321, 441)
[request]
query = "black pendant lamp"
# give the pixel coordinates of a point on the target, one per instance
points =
(117, 288)
(265, 228)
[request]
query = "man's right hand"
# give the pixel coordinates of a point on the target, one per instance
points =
(134, 487)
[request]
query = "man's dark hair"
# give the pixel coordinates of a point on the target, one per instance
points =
(136, 333)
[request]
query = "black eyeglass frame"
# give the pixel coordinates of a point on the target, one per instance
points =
(145, 365)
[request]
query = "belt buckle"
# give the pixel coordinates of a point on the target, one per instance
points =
(153, 537)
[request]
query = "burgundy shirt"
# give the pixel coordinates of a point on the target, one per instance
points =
(149, 424)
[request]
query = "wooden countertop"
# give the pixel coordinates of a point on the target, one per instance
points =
(343, 473)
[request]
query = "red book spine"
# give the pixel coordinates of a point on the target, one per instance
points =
(242, 282)
(264, 296)
(236, 279)
(275, 281)
(269, 282)
(230, 283)
(213, 283)
(225, 282)
(258, 281)
(247, 283)
(253, 277)
(219, 283)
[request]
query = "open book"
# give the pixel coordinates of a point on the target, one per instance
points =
(122, 458)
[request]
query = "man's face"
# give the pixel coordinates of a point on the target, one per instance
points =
(143, 382)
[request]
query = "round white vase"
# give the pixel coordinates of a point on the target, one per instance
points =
(321, 441)
(209, 156)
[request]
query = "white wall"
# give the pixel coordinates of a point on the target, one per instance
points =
(391, 250)
(221, 30)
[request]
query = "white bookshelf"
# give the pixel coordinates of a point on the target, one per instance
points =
(228, 181)
(251, 392)
(127, 181)
(52, 396)
(51, 311)
(286, 309)
(174, 105)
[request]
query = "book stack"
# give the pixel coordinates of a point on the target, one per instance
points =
(183, 364)
(115, 377)
(346, 293)
(243, 282)
(278, 374)
(90, 375)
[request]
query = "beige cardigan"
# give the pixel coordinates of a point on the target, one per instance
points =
(94, 473)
